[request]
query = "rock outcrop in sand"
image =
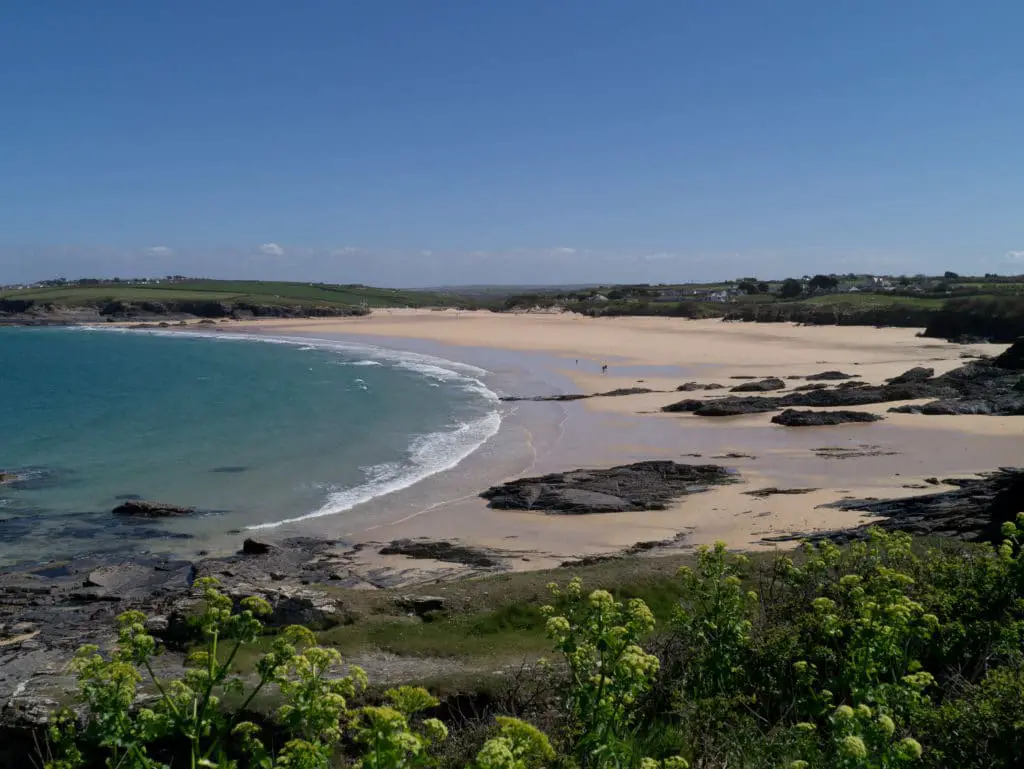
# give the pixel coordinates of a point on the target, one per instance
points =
(640, 486)
(807, 418)
(988, 387)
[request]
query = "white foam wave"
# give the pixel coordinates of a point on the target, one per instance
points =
(429, 454)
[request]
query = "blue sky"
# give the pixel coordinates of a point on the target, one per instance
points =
(413, 142)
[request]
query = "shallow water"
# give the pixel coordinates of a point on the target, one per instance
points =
(254, 431)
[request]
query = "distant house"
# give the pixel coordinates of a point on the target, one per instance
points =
(599, 298)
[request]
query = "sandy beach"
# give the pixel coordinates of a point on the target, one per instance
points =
(885, 459)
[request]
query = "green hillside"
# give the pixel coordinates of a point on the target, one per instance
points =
(253, 292)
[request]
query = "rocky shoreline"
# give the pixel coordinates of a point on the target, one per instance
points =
(991, 387)
(48, 611)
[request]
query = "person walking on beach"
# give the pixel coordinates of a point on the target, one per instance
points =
(604, 368)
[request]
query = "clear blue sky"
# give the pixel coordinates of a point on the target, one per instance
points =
(411, 142)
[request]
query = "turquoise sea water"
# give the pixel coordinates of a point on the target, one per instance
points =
(254, 432)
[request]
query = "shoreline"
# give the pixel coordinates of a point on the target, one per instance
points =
(540, 355)
(895, 457)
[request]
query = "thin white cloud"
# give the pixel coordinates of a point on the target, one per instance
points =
(564, 250)
(272, 249)
(159, 251)
(1014, 256)
(344, 251)
(426, 253)
(657, 256)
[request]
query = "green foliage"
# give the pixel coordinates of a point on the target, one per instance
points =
(791, 288)
(599, 639)
(880, 655)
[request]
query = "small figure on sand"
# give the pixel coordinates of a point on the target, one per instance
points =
(604, 368)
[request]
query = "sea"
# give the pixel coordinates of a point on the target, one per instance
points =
(255, 432)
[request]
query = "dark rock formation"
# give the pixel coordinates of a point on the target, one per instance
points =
(690, 404)
(730, 406)
(579, 396)
(979, 387)
(856, 394)
(256, 547)
(852, 452)
(624, 391)
(141, 508)
(975, 511)
(640, 486)
(440, 551)
(916, 374)
(1013, 358)
(829, 376)
(692, 386)
(794, 418)
(811, 386)
(763, 385)
(1000, 406)
(559, 397)
(771, 491)
(422, 605)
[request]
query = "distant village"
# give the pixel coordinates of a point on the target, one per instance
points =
(790, 288)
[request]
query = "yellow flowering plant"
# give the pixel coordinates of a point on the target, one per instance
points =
(608, 670)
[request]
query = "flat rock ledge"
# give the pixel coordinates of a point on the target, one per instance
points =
(640, 486)
(808, 418)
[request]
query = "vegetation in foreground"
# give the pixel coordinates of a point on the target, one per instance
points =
(887, 653)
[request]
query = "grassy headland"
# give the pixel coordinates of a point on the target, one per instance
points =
(213, 298)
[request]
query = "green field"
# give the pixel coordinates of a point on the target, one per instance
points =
(256, 292)
(865, 300)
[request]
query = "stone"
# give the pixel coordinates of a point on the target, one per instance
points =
(771, 491)
(421, 605)
(252, 546)
(763, 385)
(693, 386)
(690, 404)
(916, 374)
(828, 376)
(794, 418)
(141, 508)
(440, 551)
(733, 405)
